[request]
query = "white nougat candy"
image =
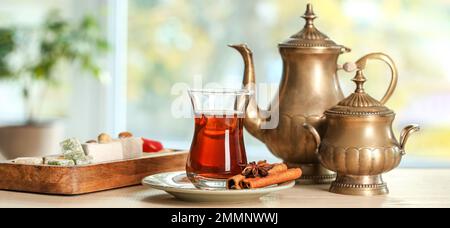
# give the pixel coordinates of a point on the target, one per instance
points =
(87, 160)
(28, 161)
(126, 148)
(104, 152)
(132, 148)
(72, 149)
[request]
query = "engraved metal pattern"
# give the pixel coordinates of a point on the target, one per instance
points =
(356, 113)
(360, 161)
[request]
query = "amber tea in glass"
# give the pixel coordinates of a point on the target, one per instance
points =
(217, 151)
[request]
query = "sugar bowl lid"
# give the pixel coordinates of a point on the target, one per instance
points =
(360, 103)
(310, 36)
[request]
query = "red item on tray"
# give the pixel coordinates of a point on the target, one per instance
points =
(151, 146)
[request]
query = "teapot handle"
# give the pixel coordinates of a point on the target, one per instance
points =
(361, 65)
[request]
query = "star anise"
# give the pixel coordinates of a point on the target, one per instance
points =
(260, 169)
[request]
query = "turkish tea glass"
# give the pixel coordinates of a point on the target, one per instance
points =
(217, 151)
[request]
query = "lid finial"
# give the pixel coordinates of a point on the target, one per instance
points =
(309, 15)
(359, 79)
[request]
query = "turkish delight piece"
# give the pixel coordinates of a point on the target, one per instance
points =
(58, 161)
(28, 161)
(132, 147)
(72, 149)
(99, 153)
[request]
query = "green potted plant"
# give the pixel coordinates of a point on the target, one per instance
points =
(57, 41)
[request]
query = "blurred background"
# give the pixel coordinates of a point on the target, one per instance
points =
(119, 72)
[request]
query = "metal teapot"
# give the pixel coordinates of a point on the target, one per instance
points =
(359, 143)
(308, 87)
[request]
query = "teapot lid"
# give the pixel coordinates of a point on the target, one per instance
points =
(360, 103)
(310, 36)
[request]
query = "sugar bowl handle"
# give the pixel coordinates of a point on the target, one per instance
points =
(314, 133)
(361, 65)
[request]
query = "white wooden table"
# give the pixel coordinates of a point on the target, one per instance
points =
(409, 188)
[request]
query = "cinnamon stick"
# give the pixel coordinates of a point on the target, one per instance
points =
(278, 168)
(235, 182)
(275, 178)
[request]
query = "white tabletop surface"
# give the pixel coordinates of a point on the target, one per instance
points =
(409, 188)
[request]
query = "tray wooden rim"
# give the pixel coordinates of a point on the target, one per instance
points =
(166, 152)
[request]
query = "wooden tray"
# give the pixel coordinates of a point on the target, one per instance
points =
(79, 180)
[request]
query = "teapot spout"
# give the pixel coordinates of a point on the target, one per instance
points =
(407, 131)
(249, 70)
(253, 120)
